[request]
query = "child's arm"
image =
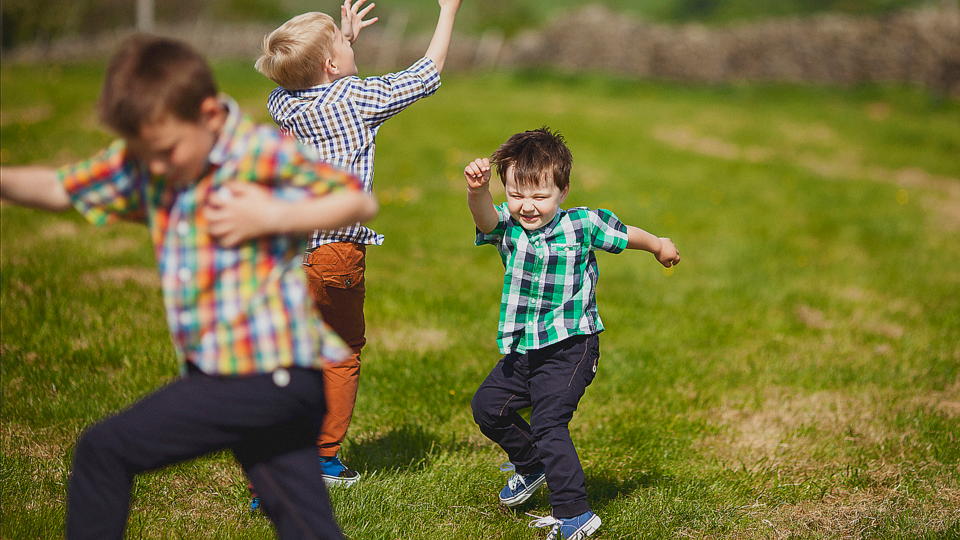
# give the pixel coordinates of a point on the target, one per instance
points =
(351, 19)
(662, 248)
(36, 187)
(249, 211)
(477, 173)
(440, 43)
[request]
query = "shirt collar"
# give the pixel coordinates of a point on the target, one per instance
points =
(221, 149)
(546, 229)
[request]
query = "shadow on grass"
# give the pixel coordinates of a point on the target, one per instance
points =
(606, 487)
(407, 447)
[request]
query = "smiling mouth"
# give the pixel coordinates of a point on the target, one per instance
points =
(529, 218)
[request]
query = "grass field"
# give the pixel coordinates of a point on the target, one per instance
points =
(798, 375)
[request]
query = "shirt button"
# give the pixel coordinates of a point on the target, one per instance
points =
(184, 274)
(183, 228)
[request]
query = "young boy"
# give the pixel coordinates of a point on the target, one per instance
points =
(229, 205)
(323, 103)
(549, 324)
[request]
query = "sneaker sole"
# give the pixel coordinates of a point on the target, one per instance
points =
(337, 481)
(522, 497)
(586, 529)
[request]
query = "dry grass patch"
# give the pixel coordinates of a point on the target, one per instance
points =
(856, 513)
(146, 277)
(46, 444)
(787, 429)
(419, 339)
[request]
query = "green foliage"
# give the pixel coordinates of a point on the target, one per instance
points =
(796, 375)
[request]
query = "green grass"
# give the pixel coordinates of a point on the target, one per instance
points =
(796, 375)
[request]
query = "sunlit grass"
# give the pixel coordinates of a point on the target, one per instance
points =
(796, 374)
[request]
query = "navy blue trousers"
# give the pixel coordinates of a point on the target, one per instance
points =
(270, 422)
(551, 381)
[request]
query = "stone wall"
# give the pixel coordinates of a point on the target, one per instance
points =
(919, 46)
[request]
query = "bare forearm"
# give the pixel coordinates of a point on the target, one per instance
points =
(36, 187)
(329, 212)
(481, 206)
(440, 43)
(640, 239)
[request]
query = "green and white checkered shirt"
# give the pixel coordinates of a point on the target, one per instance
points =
(550, 278)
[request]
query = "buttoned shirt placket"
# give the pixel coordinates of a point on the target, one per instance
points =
(537, 239)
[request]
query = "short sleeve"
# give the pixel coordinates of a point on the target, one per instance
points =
(108, 186)
(496, 235)
(379, 98)
(607, 232)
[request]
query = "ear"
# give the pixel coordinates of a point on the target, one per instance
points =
(212, 114)
(330, 68)
(564, 193)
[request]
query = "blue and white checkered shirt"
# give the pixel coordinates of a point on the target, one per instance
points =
(341, 120)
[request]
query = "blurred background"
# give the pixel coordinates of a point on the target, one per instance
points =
(840, 42)
(797, 376)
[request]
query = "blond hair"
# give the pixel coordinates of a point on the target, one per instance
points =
(294, 53)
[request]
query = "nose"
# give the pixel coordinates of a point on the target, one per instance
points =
(527, 207)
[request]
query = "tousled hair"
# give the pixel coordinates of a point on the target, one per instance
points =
(535, 156)
(293, 54)
(149, 77)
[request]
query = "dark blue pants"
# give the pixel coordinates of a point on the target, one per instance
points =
(551, 381)
(270, 427)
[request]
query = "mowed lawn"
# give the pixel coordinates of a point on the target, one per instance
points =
(795, 376)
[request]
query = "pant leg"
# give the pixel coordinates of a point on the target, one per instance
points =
(281, 463)
(495, 405)
(559, 375)
(185, 419)
(335, 273)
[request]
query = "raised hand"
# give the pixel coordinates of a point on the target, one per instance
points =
(351, 18)
(477, 173)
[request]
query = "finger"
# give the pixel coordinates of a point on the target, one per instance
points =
(365, 24)
(356, 5)
(363, 12)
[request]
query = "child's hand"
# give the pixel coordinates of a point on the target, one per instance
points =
(351, 19)
(477, 173)
(668, 255)
(240, 211)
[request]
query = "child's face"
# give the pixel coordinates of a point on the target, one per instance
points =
(533, 206)
(342, 56)
(177, 149)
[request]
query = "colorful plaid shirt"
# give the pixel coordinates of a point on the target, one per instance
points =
(550, 278)
(341, 120)
(231, 311)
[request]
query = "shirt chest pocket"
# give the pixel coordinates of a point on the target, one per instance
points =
(566, 255)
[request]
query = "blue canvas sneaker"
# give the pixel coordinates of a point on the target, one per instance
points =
(255, 504)
(521, 487)
(335, 473)
(575, 528)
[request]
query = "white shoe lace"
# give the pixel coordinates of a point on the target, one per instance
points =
(546, 521)
(514, 480)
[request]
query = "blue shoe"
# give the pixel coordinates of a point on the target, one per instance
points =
(521, 487)
(255, 504)
(335, 473)
(575, 528)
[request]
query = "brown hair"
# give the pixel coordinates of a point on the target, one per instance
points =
(149, 77)
(535, 157)
(293, 54)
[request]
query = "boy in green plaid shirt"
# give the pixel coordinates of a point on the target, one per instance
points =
(549, 324)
